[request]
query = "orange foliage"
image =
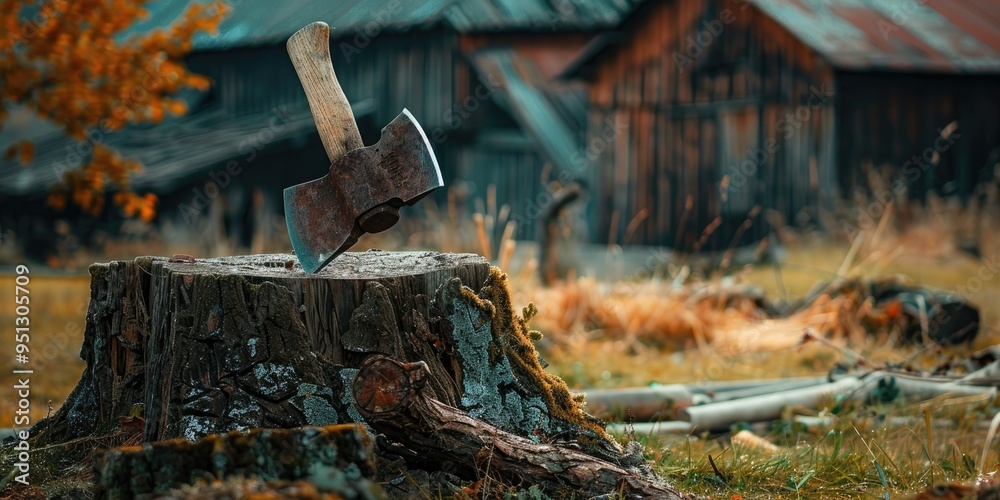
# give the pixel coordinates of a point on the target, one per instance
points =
(61, 59)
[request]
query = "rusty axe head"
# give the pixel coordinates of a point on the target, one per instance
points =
(361, 194)
(366, 185)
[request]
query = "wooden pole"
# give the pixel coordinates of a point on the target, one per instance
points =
(719, 416)
(642, 404)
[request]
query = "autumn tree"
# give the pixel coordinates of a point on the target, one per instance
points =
(71, 63)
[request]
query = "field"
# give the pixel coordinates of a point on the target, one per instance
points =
(892, 448)
(58, 313)
(640, 332)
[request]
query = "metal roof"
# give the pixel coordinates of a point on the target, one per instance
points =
(549, 113)
(172, 153)
(947, 36)
(535, 15)
(256, 22)
(939, 36)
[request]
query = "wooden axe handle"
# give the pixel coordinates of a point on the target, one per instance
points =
(309, 49)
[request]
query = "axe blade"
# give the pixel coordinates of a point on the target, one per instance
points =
(361, 194)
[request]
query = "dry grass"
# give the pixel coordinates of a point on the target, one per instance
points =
(58, 314)
(593, 329)
(614, 334)
(610, 335)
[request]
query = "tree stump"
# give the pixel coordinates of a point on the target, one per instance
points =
(191, 347)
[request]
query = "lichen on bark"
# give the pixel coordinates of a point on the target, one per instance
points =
(503, 377)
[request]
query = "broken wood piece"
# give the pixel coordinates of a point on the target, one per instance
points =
(920, 387)
(719, 416)
(768, 387)
(750, 441)
(336, 459)
(642, 404)
(397, 405)
(651, 429)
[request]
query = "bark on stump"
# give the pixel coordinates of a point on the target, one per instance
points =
(393, 397)
(192, 347)
(338, 459)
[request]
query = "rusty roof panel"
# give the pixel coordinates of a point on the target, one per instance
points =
(536, 15)
(264, 23)
(948, 36)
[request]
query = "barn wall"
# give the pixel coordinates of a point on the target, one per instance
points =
(678, 126)
(390, 72)
(411, 70)
(887, 119)
(495, 154)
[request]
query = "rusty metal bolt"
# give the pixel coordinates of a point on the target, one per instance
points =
(181, 257)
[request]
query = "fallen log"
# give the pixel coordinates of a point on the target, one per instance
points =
(729, 386)
(393, 398)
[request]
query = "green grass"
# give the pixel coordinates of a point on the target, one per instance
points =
(860, 456)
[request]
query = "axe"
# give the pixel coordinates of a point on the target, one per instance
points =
(366, 185)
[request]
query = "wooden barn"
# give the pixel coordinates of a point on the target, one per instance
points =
(480, 76)
(702, 110)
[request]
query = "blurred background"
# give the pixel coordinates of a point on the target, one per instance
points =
(681, 187)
